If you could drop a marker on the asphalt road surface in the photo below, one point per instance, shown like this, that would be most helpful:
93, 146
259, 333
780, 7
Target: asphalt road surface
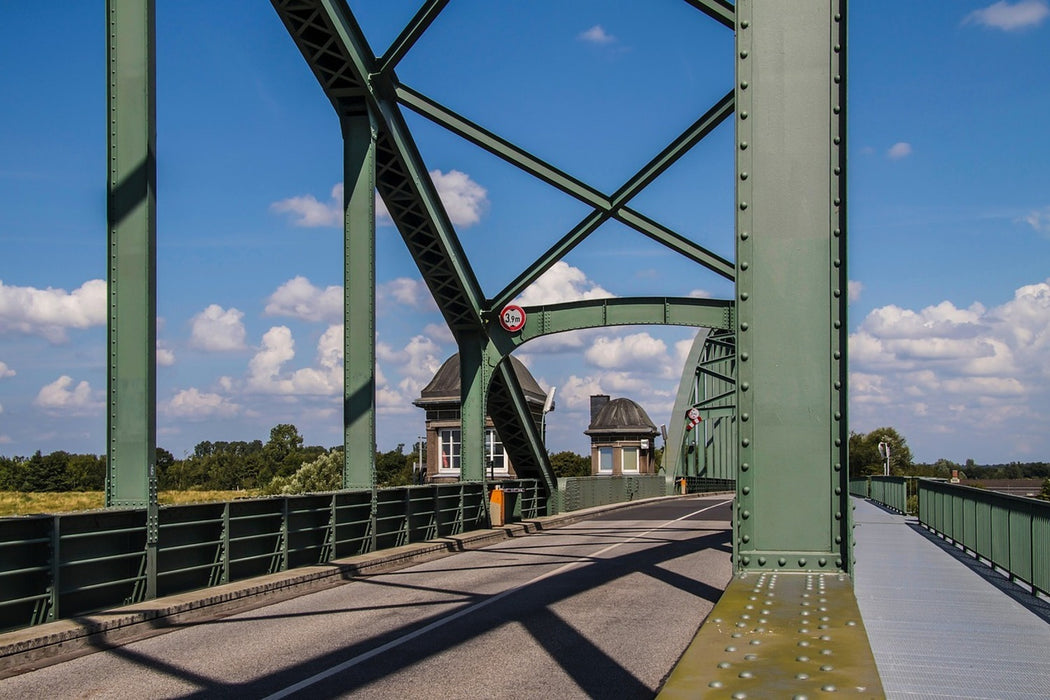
602, 608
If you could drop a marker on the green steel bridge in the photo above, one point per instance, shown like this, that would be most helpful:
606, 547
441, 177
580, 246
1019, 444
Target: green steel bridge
767, 372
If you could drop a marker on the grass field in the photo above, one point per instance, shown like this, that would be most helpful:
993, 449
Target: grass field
20, 503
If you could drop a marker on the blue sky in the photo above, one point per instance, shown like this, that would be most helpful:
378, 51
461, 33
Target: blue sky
949, 215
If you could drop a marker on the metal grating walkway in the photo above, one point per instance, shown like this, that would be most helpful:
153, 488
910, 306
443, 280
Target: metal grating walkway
940, 624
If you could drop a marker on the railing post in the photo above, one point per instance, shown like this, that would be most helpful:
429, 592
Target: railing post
54, 611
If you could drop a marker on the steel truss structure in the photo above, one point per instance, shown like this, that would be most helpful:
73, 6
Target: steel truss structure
786, 419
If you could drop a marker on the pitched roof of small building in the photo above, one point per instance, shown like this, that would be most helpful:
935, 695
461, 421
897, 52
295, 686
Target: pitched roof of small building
444, 386
621, 416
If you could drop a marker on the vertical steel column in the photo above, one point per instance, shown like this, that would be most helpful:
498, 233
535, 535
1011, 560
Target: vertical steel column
792, 490
359, 314
131, 219
475, 375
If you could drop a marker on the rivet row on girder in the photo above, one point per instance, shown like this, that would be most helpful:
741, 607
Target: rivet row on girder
838, 273
744, 256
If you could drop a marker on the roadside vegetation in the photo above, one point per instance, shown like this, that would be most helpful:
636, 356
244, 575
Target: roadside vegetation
62, 482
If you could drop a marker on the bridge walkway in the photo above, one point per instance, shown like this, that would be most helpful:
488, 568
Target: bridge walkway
941, 624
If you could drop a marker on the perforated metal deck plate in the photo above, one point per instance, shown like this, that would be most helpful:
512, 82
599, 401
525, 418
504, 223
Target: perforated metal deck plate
779, 635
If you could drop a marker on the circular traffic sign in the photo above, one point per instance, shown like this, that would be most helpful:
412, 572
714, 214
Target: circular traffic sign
512, 318
693, 413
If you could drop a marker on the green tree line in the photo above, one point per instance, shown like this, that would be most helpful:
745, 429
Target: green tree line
283, 464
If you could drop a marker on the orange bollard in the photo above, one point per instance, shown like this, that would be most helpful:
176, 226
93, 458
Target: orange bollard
497, 515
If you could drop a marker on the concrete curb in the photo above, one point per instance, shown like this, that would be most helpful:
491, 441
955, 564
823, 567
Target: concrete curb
42, 645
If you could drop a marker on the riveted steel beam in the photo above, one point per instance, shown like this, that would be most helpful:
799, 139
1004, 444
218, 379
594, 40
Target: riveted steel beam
517, 430
614, 311
708, 384
791, 287
605, 206
336, 50
718, 10
359, 314
475, 374
132, 232
411, 34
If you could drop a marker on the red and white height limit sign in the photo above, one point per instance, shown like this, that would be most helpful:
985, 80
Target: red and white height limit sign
512, 318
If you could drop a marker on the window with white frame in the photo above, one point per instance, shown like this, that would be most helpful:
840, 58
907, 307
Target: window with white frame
630, 459
605, 460
448, 448
495, 454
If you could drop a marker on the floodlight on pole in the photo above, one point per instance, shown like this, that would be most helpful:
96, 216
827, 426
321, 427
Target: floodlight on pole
548, 406
884, 452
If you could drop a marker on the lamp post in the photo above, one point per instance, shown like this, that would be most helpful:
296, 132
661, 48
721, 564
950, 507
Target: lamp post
548, 406
419, 441
884, 452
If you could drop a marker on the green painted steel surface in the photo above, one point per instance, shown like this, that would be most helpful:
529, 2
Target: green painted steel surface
703, 484
131, 214
60, 566
359, 309
1011, 532
708, 385
336, 50
890, 491
475, 375
575, 493
789, 319
791, 287
859, 487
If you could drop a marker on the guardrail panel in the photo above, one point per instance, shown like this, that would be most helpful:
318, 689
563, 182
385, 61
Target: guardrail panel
190, 547
256, 537
309, 529
1041, 551
1011, 532
1000, 524
353, 523
25, 571
391, 519
422, 513
102, 560
1020, 523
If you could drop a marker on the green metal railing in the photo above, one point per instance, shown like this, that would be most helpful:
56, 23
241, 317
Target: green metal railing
1011, 532
890, 491
859, 487
575, 493
60, 566
704, 484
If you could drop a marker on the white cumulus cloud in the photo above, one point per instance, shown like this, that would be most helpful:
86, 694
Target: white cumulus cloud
192, 404
638, 351
1009, 16
1038, 219
561, 283
576, 391
596, 35
406, 291
464, 200
299, 298
899, 150
6, 371
165, 356
51, 312
309, 212
60, 397
266, 374
956, 370
217, 329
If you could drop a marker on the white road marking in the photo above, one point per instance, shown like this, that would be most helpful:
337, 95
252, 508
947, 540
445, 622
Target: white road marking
360, 658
